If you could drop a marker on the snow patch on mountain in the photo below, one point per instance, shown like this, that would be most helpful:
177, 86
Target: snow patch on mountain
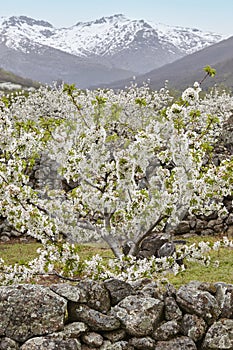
186, 39
103, 37
23, 33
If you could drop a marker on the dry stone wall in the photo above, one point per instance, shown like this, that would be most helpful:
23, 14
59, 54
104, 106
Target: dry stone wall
115, 315
211, 225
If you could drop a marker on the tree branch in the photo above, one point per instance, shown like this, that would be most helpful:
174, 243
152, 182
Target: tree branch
87, 226
135, 247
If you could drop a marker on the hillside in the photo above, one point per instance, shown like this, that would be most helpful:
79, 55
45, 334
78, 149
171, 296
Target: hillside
52, 65
188, 69
9, 80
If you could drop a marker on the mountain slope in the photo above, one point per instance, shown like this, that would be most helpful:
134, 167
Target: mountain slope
10, 81
184, 72
93, 52
115, 41
6, 76
52, 65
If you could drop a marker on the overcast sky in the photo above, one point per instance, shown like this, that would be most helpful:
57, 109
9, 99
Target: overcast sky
209, 15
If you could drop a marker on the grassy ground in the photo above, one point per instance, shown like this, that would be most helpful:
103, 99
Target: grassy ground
195, 271
23, 252
17, 252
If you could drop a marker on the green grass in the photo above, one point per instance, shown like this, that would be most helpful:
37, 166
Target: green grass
88, 250
23, 252
195, 271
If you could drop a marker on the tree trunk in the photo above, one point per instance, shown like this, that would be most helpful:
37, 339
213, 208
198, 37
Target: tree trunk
113, 244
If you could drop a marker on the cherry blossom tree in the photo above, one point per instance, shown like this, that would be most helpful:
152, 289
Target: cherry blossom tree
127, 163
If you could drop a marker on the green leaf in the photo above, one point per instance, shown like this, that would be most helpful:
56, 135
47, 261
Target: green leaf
210, 71
140, 101
69, 88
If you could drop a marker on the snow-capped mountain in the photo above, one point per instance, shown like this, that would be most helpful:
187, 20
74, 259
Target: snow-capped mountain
188, 40
115, 42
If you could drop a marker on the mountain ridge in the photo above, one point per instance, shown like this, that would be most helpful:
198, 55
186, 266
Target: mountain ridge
114, 47
185, 71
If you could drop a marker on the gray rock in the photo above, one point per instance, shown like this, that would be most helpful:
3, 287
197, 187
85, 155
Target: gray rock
144, 287
8, 344
94, 319
229, 231
45, 343
87, 347
15, 233
115, 336
153, 290
207, 232
90, 292
229, 220
219, 221
5, 233
93, 339
193, 326
121, 345
200, 225
199, 302
219, 228
192, 222
205, 286
224, 296
166, 330
211, 223
212, 216
97, 296
219, 336
167, 249
24, 239
4, 238
145, 343
172, 310
139, 316
105, 346
70, 292
118, 290
151, 245
71, 330
30, 310
140, 283
228, 203
180, 343
149, 319
170, 290
183, 227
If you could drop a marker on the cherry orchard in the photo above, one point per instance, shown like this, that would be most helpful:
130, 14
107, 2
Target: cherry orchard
129, 163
